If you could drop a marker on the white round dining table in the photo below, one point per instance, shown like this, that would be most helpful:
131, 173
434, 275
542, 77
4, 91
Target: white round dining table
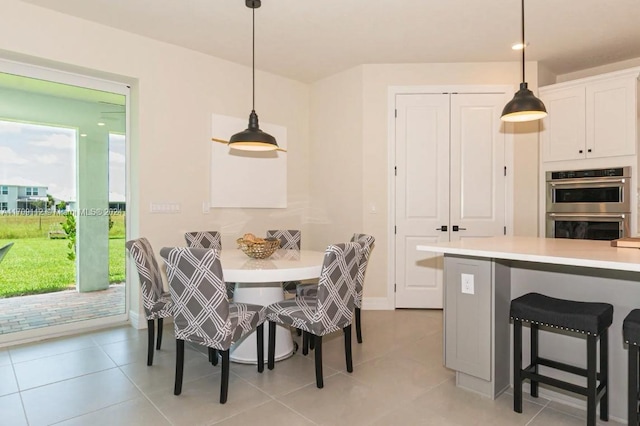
259, 281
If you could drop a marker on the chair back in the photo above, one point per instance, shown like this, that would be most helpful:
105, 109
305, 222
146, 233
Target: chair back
201, 306
290, 239
336, 287
368, 241
148, 271
4, 250
204, 239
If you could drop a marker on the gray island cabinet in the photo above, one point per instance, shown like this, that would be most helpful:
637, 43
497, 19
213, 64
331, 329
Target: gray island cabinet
482, 275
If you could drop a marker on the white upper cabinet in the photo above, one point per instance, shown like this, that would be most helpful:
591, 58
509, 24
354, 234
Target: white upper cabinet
590, 118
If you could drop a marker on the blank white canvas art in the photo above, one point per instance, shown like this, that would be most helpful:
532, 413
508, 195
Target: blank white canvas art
247, 179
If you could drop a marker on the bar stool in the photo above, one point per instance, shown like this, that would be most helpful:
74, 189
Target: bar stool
592, 319
631, 334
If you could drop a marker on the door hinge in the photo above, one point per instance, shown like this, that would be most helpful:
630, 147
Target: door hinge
395, 170
394, 287
395, 112
505, 170
395, 229
505, 230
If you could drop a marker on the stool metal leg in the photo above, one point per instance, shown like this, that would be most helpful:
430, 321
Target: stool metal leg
534, 357
592, 384
517, 366
632, 397
604, 374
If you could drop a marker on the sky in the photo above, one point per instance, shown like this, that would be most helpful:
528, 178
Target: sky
34, 155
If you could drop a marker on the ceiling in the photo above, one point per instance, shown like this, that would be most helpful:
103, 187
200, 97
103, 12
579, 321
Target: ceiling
307, 41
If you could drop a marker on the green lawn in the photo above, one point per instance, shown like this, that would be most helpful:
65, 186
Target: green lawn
36, 264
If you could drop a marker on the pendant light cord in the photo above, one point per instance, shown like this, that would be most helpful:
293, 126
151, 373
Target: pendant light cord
253, 58
524, 46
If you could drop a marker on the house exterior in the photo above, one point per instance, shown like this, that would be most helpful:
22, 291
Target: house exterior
16, 198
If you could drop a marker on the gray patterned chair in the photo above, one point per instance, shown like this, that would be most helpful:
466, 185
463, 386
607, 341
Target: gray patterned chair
208, 240
202, 312
156, 302
331, 310
4, 250
290, 239
311, 290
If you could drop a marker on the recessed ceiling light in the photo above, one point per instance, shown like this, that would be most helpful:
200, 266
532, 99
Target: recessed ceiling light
100, 123
519, 46
83, 135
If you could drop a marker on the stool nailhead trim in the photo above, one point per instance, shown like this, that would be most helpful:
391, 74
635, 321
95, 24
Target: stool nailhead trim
555, 326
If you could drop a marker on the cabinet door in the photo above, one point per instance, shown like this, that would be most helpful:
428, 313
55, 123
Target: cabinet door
611, 117
563, 130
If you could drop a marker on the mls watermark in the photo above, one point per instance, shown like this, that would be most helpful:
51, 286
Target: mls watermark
78, 212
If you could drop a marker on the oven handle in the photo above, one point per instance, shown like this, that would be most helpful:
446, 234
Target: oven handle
583, 182
617, 216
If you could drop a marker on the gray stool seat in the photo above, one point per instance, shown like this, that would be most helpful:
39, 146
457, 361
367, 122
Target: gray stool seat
631, 335
631, 328
580, 317
589, 318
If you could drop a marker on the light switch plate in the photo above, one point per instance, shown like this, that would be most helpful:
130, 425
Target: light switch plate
467, 285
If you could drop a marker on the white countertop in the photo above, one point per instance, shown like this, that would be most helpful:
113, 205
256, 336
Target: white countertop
559, 251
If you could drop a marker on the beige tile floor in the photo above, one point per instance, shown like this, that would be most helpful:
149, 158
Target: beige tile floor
101, 378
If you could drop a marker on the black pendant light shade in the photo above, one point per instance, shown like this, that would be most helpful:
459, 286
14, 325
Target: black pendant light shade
252, 138
524, 106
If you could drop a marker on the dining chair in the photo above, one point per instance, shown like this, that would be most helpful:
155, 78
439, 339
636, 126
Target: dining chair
4, 250
331, 310
311, 289
202, 312
208, 240
156, 302
290, 239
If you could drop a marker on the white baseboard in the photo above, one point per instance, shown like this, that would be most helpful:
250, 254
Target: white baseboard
136, 320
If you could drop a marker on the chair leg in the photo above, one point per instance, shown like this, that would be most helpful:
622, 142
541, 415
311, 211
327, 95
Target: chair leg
534, 357
271, 350
177, 389
305, 343
224, 378
318, 358
632, 385
260, 343
592, 385
358, 327
604, 374
312, 342
517, 366
298, 332
213, 356
347, 348
159, 339
151, 338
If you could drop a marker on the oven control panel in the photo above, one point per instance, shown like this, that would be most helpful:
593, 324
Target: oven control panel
579, 174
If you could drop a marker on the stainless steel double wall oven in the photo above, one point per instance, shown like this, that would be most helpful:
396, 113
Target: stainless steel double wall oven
589, 204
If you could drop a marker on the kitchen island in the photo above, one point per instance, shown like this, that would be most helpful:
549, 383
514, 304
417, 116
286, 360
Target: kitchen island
481, 276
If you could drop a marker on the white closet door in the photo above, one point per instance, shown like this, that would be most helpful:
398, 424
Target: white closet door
477, 166
422, 196
450, 173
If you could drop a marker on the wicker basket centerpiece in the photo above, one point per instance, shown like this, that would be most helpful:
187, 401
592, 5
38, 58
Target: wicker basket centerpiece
256, 247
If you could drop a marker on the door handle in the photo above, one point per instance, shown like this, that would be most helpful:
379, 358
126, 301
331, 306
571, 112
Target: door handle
456, 228
443, 228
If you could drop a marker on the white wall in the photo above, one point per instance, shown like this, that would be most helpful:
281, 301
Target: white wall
174, 93
335, 106
589, 72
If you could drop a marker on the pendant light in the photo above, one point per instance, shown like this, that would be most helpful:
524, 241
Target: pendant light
524, 106
252, 138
